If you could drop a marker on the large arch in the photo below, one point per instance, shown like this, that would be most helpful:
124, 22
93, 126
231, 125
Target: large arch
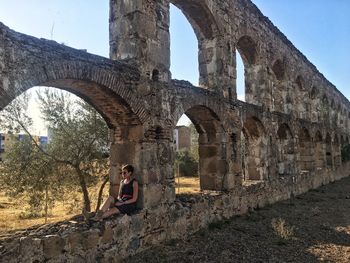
107, 89
214, 58
286, 152
254, 150
213, 166
306, 161
247, 48
278, 86
329, 153
319, 151
302, 98
315, 104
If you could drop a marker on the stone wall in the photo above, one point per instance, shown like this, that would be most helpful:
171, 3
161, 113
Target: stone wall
117, 238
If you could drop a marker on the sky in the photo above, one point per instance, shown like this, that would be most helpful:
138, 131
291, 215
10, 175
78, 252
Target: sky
320, 29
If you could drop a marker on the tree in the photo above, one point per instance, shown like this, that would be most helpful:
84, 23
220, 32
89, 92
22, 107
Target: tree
78, 144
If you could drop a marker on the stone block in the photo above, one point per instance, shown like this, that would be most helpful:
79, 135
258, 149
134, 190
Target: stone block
90, 239
53, 246
31, 249
152, 195
107, 235
74, 241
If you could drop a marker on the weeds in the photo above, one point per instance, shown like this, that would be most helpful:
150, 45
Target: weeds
281, 228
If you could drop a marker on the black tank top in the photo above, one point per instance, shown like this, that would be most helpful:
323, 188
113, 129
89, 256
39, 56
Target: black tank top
127, 190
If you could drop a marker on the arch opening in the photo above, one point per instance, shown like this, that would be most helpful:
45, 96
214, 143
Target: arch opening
246, 70
206, 30
319, 151
329, 157
285, 149
279, 90
212, 165
183, 41
68, 161
187, 157
306, 162
240, 78
303, 105
254, 150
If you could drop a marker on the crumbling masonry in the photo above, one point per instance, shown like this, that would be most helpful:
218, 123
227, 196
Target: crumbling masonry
286, 137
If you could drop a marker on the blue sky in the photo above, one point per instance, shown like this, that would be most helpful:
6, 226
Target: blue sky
320, 29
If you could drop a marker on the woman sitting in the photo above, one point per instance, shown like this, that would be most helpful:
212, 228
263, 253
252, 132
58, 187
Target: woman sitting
125, 203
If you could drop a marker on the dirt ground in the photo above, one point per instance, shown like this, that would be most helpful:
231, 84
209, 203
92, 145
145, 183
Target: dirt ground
314, 227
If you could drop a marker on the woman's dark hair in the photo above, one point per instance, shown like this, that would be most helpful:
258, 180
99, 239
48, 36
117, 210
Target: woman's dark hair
128, 167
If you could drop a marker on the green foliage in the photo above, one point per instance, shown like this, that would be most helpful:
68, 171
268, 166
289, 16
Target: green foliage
75, 154
345, 153
186, 163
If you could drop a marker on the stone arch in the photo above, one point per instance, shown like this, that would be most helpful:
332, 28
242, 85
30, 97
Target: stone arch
211, 147
329, 157
286, 153
319, 151
104, 90
306, 161
314, 92
214, 54
332, 104
336, 152
107, 91
247, 48
325, 109
254, 150
278, 69
200, 17
299, 81
301, 94
278, 86
315, 104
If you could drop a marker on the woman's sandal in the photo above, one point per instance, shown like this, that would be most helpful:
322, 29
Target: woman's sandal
98, 216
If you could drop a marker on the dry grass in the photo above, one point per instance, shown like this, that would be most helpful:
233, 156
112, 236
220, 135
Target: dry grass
187, 185
11, 209
281, 228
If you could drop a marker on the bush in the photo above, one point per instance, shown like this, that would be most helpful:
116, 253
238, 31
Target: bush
186, 164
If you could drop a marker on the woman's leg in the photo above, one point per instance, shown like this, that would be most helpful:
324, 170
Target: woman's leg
111, 211
110, 200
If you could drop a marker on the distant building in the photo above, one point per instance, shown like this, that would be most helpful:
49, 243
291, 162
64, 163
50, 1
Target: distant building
7, 139
182, 137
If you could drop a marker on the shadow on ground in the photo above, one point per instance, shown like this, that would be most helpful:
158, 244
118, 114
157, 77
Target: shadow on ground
312, 227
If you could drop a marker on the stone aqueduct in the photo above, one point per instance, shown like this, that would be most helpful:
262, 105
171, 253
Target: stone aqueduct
287, 136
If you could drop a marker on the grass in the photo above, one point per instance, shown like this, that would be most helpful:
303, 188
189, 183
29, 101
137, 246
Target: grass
187, 185
14, 214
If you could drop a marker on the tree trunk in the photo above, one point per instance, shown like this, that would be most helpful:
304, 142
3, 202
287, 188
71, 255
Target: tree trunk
87, 203
100, 192
46, 202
